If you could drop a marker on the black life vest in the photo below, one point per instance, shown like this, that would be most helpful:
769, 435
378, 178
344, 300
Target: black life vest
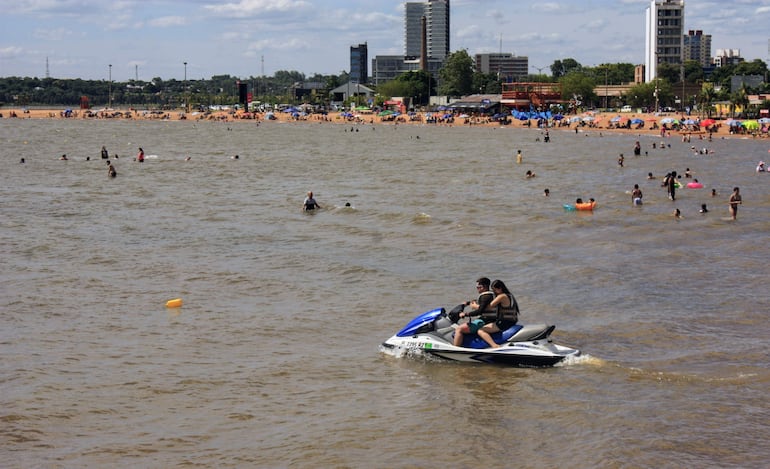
503, 313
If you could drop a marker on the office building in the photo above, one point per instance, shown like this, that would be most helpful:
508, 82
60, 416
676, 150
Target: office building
664, 35
389, 67
507, 66
359, 64
727, 57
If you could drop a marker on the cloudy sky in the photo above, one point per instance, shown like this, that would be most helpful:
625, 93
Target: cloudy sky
81, 38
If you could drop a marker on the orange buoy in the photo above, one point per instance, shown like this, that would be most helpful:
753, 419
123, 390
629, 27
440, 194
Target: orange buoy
175, 303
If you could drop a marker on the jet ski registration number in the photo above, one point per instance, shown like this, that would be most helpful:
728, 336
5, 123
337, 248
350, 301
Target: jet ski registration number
419, 345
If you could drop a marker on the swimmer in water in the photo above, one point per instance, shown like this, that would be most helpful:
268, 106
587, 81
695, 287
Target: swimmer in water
310, 202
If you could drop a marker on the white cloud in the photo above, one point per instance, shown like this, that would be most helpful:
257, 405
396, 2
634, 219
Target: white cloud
248, 8
547, 7
167, 21
10, 51
58, 34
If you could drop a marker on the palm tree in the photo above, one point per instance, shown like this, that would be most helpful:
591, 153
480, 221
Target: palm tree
739, 98
707, 97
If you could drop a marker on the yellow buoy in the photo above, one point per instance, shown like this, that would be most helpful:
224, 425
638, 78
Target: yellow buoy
175, 303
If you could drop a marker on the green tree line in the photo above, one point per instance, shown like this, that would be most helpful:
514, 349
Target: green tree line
457, 78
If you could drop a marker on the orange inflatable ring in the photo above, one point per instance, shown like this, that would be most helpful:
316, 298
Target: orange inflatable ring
585, 205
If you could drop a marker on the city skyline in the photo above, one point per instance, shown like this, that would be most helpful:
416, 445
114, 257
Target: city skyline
92, 40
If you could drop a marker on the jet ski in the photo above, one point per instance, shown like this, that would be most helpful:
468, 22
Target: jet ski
432, 333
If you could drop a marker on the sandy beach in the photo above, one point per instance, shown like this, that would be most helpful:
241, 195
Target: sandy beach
642, 123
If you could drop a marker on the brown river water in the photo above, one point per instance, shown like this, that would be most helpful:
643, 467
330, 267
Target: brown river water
274, 359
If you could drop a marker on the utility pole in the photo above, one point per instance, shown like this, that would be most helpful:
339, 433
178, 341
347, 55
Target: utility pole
184, 87
656, 82
606, 86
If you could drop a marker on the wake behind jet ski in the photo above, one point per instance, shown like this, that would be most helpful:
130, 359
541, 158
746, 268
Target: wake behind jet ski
433, 332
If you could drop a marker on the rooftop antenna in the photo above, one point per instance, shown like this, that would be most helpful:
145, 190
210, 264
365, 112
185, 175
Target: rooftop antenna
47, 71
136, 72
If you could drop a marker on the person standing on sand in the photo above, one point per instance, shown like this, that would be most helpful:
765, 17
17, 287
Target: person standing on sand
735, 200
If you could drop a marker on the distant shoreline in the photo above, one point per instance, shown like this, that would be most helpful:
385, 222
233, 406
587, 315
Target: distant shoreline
600, 121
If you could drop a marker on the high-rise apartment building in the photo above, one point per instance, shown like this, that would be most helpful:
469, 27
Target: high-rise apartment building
436, 13
359, 64
697, 46
664, 35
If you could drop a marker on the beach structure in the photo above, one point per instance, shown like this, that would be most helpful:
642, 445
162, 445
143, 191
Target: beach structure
526, 96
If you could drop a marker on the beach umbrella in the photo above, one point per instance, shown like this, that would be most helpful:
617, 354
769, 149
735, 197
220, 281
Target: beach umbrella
669, 120
588, 119
689, 122
734, 123
750, 125
387, 112
558, 117
764, 120
574, 119
637, 121
707, 122
616, 119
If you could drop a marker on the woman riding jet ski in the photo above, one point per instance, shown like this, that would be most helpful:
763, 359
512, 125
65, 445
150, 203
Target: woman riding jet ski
433, 332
